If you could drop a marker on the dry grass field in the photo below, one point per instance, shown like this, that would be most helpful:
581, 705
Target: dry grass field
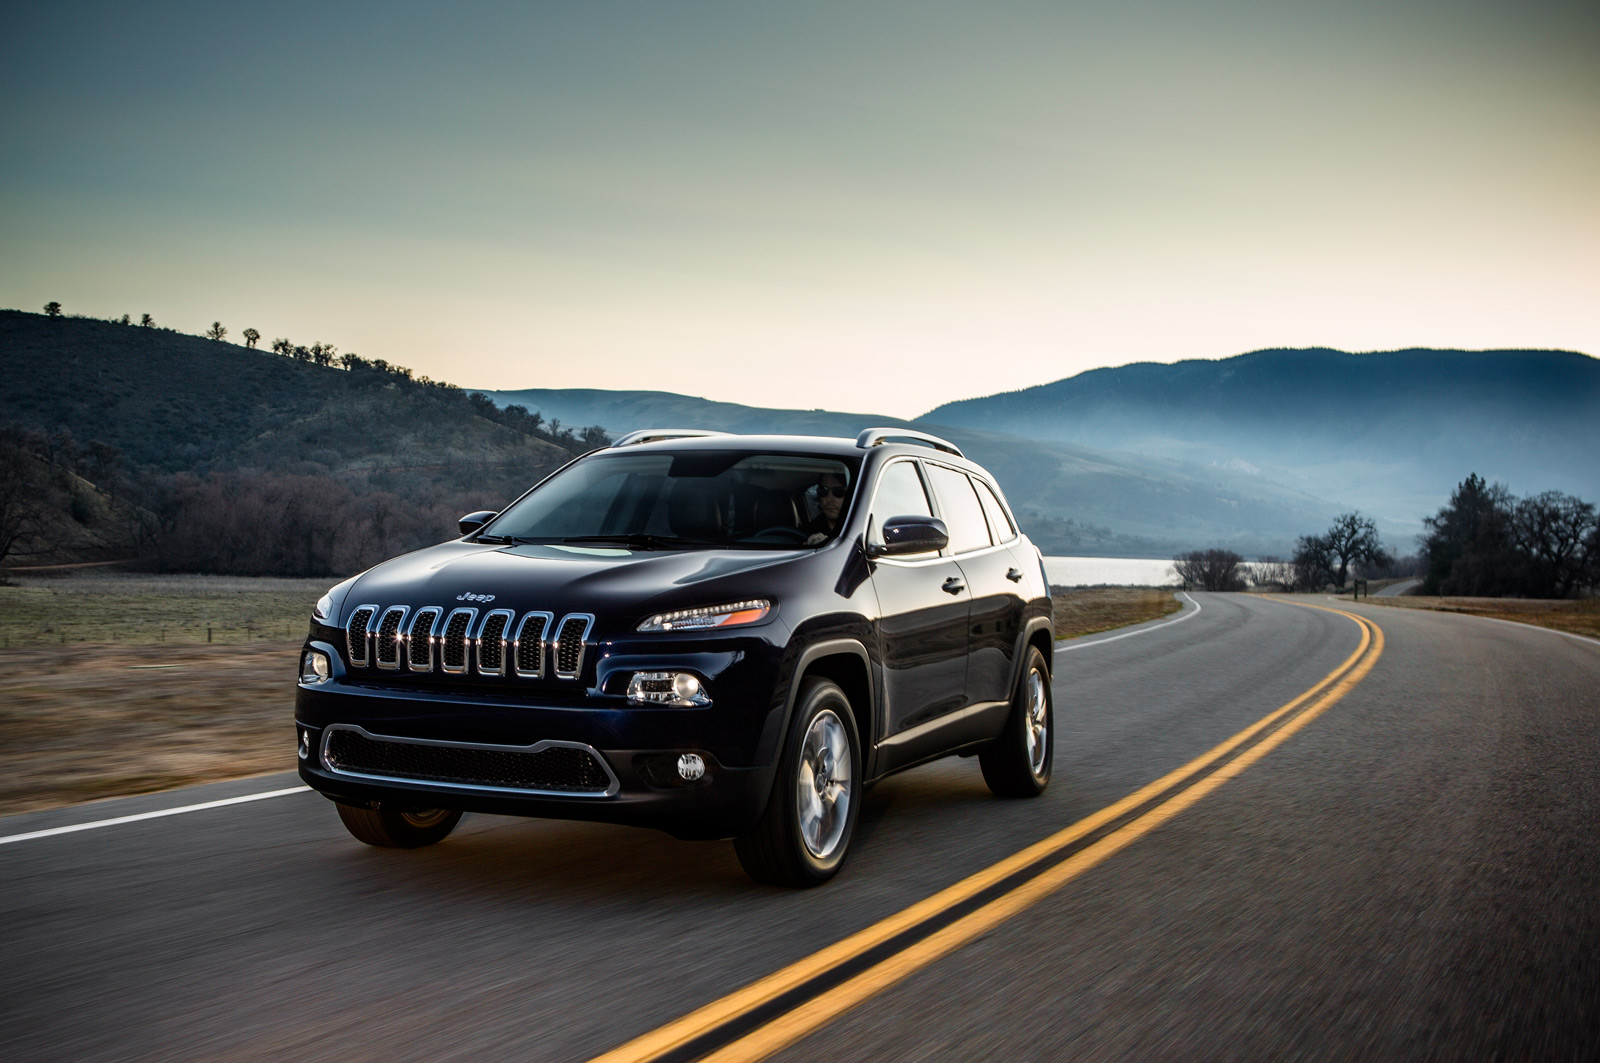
1085, 612
109, 688
1579, 616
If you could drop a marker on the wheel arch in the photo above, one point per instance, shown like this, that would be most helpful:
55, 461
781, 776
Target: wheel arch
845, 662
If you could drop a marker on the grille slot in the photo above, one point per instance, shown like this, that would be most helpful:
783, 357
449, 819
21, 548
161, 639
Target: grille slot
356, 634
419, 643
386, 642
570, 639
528, 647
492, 642
453, 643
546, 767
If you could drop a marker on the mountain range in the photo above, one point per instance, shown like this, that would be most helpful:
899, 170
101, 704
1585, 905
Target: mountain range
1391, 433
1247, 452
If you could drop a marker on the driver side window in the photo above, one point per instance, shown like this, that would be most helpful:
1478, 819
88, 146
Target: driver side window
900, 494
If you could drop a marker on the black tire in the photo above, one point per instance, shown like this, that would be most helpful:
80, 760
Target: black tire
1012, 764
777, 851
395, 828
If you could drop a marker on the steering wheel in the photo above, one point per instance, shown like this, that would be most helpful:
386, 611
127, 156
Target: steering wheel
780, 532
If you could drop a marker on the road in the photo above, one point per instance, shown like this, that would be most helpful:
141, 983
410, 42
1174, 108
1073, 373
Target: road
1411, 871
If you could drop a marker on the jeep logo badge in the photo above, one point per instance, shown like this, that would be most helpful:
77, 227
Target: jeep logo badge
470, 597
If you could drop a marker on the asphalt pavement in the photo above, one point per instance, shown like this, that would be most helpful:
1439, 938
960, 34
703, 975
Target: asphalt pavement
1412, 874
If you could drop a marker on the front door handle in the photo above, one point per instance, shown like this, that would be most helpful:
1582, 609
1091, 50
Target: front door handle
1014, 575
954, 586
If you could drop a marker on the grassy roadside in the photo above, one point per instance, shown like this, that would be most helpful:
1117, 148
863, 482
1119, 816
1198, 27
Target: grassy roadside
1096, 609
142, 610
84, 717
102, 720
1580, 616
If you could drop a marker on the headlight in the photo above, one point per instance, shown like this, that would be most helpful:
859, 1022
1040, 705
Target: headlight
324, 610
679, 690
730, 615
314, 668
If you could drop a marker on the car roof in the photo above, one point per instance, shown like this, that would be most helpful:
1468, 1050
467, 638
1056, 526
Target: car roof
830, 446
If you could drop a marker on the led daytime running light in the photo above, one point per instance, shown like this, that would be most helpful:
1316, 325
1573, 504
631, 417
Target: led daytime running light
709, 616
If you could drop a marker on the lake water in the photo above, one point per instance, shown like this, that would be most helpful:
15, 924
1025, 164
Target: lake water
1116, 572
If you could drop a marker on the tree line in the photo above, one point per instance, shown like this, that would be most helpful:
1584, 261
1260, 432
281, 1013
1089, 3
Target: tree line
1488, 542
1484, 542
62, 501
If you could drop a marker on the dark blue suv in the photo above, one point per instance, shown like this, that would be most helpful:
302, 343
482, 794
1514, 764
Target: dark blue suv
717, 635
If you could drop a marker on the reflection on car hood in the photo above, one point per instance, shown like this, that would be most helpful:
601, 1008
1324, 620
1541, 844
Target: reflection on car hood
599, 579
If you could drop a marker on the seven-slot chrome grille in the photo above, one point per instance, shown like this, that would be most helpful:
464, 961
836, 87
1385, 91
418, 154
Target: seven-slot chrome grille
459, 642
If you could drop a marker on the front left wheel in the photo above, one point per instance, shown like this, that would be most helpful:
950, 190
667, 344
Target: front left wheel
803, 836
393, 828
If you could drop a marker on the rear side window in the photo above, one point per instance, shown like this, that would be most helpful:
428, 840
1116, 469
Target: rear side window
960, 508
997, 513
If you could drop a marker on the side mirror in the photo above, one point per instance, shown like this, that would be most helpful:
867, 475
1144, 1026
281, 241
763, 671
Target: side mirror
473, 521
911, 535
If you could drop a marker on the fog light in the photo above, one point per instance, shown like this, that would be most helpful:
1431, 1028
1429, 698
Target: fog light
678, 689
305, 744
691, 767
314, 667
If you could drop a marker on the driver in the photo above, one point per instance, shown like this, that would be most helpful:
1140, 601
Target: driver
831, 492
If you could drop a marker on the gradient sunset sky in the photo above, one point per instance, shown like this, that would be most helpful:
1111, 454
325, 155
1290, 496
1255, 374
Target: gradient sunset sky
878, 206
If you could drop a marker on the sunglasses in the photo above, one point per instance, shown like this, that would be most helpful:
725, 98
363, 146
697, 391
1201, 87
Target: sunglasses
836, 492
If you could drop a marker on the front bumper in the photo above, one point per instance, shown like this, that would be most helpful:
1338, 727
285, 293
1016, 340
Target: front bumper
638, 747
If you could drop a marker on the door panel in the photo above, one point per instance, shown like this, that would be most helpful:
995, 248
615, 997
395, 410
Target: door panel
995, 623
923, 630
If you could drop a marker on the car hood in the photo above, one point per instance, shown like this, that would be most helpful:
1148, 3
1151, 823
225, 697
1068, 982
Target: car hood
605, 581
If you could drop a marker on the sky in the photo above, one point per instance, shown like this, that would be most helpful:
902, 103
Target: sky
871, 207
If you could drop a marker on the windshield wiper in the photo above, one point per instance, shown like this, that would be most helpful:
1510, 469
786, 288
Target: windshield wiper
643, 540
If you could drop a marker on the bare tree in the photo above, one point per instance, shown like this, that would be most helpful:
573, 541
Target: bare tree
1274, 570
1210, 570
216, 331
24, 495
1353, 538
146, 321
1553, 532
52, 308
251, 337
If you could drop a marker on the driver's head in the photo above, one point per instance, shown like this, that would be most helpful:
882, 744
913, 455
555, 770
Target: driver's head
831, 490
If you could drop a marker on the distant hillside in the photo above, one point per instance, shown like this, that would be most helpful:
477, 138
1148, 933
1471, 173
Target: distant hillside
1073, 499
173, 402
1390, 432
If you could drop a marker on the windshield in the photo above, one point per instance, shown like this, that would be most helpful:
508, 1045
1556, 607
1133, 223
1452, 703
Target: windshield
698, 498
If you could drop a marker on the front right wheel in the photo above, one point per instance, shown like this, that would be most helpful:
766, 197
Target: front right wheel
1017, 764
394, 828
802, 837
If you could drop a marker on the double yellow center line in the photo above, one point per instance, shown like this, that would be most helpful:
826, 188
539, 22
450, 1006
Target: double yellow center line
780, 1009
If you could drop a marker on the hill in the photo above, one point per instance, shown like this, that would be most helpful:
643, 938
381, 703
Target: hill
188, 454
1071, 499
1391, 432
173, 402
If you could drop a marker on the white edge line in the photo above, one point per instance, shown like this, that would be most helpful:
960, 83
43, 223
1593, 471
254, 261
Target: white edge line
1142, 631
150, 815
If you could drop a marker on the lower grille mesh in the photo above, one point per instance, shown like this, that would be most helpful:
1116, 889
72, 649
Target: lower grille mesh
562, 769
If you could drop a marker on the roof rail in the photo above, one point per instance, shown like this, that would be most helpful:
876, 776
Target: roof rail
875, 437
652, 435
